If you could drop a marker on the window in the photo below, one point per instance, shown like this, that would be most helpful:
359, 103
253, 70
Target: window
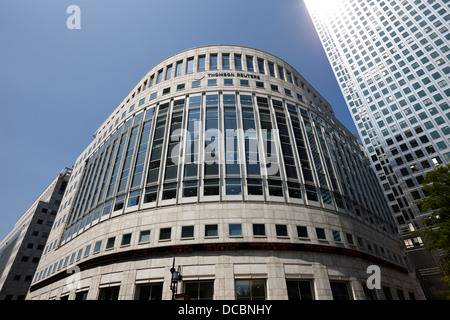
168, 72
201, 63
225, 61
244, 82
179, 69
199, 290
337, 236
250, 290
97, 246
261, 66
211, 230
281, 230
212, 82
149, 292
187, 232
299, 290
233, 186
302, 232
190, 66
249, 61
110, 243
320, 234
235, 229
237, 62
134, 198
339, 290
110, 293
259, 229
164, 234
82, 295
126, 239
213, 62
144, 236
196, 84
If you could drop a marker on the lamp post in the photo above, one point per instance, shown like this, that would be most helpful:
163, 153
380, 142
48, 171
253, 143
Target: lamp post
176, 276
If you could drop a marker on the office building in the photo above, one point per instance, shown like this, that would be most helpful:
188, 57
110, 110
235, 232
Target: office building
22, 248
227, 160
391, 60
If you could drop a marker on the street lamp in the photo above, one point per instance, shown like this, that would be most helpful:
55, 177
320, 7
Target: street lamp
176, 276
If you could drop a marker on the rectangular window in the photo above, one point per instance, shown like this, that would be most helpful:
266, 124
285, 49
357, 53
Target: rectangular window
212, 82
164, 233
211, 230
244, 82
340, 290
179, 69
249, 61
187, 232
110, 293
302, 232
225, 61
336, 235
97, 246
259, 229
320, 234
271, 69
144, 236
169, 72
250, 289
110, 242
149, 292
190, 66
159, 76
299, 290
196, 84
281, 230
281, 73
86, 252
201, 63
126, 239
237, 62
134, 198
261, 69
199, 290
233, 186
213, 62
235, 229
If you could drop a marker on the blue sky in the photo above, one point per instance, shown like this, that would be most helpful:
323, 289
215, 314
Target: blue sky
58, 85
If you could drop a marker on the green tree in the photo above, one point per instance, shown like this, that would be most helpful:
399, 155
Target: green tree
436, 227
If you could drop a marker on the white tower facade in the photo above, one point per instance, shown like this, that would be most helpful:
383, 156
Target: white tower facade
391, 60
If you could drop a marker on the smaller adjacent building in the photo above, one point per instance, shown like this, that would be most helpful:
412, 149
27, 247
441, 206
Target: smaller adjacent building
22, 248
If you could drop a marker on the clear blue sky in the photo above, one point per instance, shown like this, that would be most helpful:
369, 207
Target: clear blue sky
58, 85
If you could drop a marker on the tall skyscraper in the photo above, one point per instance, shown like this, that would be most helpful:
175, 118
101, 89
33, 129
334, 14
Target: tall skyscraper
391, 60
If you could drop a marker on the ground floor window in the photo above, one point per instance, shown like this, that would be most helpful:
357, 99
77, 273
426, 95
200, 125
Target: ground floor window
149, 292
110, 293
251, 289
340, 290
82, 295
299, 290
199, 290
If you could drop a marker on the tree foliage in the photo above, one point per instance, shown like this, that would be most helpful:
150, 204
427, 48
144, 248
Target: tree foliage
436, 227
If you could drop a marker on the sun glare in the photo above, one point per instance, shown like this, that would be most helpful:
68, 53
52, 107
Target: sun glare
322, 7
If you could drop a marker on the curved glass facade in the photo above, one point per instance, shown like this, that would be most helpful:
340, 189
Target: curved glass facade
221, 144
227, 143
